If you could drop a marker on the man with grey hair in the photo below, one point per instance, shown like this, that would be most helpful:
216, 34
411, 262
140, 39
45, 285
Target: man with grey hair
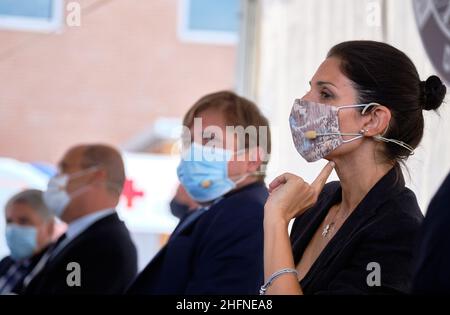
29, 230
96, 254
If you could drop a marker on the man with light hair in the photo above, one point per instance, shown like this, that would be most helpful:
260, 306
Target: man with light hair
30, 227
216, 249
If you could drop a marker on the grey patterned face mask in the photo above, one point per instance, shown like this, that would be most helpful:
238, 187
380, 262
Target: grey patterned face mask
315, 129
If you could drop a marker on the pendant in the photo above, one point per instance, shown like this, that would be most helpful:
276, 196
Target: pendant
326, 229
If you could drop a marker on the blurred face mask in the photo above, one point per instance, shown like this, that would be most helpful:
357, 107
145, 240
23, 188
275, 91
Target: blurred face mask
21, 240
56, 197
203, 172
315, 129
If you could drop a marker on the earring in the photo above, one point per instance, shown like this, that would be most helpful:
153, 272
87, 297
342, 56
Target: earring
363, 131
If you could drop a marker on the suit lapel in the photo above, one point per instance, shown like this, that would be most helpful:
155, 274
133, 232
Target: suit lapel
79, 238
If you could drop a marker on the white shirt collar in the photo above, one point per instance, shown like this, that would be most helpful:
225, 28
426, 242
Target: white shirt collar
77, 227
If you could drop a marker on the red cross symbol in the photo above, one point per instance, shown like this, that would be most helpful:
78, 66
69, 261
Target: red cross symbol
130, 193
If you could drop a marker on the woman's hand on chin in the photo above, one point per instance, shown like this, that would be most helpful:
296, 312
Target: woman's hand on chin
290, 195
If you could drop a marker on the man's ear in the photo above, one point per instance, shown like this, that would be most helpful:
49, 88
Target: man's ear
99, 176
377, 121
255, 159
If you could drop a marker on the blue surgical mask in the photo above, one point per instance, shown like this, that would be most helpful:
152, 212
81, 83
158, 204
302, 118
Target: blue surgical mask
21, 240
203, 172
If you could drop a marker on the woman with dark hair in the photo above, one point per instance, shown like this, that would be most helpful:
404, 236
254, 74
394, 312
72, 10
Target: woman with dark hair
363, 113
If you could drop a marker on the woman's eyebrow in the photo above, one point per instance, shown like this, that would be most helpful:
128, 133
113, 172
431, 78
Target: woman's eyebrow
320, 83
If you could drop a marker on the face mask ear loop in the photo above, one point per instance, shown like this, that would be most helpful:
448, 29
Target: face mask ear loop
83, 172
353, 139
364, 111
387, 140
361, 134
79, 191
243, 177
397, 142
82, 189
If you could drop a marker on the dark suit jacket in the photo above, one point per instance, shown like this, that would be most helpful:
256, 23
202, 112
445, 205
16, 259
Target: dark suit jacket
7, 262
107, 259
381, 229
433, 257
219, 253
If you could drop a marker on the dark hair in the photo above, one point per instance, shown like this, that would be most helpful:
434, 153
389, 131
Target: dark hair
385, 75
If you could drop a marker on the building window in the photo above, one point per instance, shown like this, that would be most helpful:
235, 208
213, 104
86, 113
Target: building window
209, 21
35, 15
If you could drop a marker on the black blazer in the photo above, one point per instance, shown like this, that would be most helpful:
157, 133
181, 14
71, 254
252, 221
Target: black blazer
7, 262
433, 257
219, 253
107, 259
381, 229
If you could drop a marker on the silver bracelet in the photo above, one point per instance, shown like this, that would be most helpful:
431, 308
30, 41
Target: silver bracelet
272, 278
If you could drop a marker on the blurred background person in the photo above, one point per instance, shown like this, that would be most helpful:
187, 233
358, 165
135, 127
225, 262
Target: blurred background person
84, 194
182, 204
30, 228
217, 249
136, 97
432, 275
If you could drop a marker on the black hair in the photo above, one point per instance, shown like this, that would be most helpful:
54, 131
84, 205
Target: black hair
383, 74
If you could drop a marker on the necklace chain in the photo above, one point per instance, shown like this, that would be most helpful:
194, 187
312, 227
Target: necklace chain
330, 226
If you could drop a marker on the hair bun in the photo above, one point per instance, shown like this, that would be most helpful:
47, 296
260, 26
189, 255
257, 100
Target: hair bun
433, 93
